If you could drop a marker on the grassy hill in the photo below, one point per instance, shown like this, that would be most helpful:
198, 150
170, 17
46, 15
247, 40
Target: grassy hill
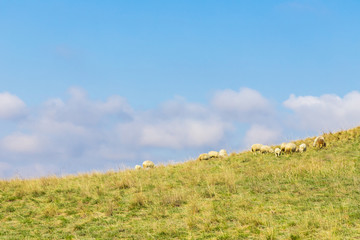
313, 195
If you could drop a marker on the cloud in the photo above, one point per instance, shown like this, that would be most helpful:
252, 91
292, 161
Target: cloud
21, 143
176, 124
261, 134
79, 127
245, 105
79, 110
65, 136
325, 113
11, 107
177, 133
80, 134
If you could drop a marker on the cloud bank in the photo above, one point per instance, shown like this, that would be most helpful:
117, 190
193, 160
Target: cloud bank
327, 112
11, 107
77, 134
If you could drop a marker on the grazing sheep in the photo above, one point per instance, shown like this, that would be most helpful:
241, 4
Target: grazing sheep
203, 156
282, 147
290, 148
137, 167
266, 149
223, 153
302, 147
256, 147
213, 154
277, 152
319, 142
148, 164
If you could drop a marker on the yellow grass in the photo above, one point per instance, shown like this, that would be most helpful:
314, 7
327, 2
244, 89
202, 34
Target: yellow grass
311, 195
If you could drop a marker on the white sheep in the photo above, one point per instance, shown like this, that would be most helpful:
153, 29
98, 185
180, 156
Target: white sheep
213, 154
266, 149
282, 146
277, 152
148, 164
302, 147
203, 156
137, 167
319, 142
256, 147
290, 148
223, 153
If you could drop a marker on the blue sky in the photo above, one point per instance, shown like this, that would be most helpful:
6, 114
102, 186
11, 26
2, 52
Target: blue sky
89, 85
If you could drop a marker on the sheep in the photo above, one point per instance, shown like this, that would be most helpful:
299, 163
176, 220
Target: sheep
148, 164
266, 149
137, 167
319, 142
203, 156
282, 146
213, 154
223, 153
302, 147
277, 152
256, 147
290, 148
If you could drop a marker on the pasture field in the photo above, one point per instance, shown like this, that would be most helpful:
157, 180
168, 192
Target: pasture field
312, 195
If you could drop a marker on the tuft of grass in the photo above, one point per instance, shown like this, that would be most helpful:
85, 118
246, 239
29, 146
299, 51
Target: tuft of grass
137, 201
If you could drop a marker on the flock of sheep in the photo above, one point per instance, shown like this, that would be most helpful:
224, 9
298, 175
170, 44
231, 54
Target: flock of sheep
212, 154
284, 147
287, 147
146, 164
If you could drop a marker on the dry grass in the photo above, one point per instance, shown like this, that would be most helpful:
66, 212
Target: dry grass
313, 195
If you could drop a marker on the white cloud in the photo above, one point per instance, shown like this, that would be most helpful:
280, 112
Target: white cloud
176, 124
80, 110
325, 113
21, 143
262, 134
179, 107
80, 134
245, 105
11, 106
176, 133
70, 130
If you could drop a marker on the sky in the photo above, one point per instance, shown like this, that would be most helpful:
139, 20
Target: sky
99, 85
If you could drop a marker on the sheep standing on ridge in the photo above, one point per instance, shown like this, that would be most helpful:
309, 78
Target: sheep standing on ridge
137, 167
256, 147
148, 164
319, 142
282, 147
213, 154
290, 148
266, 149
277, 152
223, 153
302, 147
203, 156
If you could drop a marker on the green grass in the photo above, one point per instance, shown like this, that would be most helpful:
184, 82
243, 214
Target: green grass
313, 195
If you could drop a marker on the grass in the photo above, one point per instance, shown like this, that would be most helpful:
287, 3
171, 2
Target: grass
313, 195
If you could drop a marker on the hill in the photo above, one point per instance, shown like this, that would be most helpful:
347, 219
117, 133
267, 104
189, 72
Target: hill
312, 195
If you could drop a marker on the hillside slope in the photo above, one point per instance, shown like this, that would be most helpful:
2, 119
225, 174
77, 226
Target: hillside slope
313, 195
